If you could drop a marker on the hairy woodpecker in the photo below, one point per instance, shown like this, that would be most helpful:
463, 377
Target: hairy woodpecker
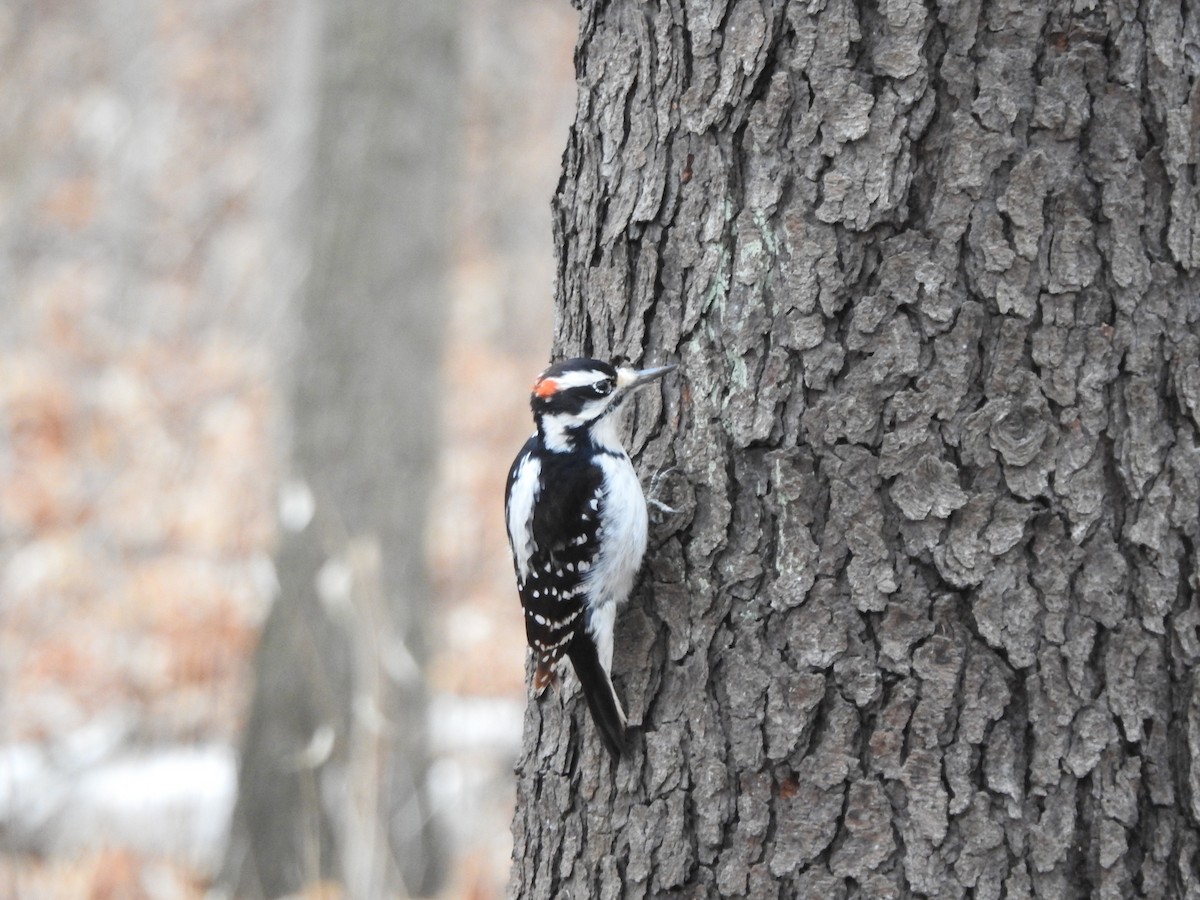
577, 527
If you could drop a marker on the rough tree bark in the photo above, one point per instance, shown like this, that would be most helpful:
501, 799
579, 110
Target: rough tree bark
927, 621
332, 773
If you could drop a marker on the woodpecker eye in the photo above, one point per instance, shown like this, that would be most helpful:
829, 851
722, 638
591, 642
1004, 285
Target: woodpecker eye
603, 387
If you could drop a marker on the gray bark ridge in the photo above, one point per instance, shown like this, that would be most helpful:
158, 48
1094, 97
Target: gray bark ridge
332, 780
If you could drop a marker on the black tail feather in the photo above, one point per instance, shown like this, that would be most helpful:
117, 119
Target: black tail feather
600, 695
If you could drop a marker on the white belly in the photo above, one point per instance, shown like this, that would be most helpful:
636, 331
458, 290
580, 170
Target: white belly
623, 537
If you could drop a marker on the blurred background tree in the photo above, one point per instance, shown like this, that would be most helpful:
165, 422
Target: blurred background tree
332, 777
176, 197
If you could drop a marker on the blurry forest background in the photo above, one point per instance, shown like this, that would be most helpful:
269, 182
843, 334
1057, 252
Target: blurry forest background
148, 152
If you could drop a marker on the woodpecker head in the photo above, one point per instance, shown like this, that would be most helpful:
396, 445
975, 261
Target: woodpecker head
577, 398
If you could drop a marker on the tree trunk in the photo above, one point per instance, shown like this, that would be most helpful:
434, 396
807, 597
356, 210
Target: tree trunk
332, 777
926, 622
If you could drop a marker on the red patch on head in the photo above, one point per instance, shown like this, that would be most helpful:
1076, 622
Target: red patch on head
546, 387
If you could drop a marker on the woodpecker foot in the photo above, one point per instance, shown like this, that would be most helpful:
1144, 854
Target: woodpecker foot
656, 481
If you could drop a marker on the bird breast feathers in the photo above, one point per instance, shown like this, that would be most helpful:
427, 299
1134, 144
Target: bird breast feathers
623, 535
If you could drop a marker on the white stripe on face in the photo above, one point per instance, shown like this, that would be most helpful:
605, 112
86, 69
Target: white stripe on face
577, 379
556, 428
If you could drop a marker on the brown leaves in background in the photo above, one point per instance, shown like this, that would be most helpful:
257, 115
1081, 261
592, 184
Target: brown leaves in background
132, 492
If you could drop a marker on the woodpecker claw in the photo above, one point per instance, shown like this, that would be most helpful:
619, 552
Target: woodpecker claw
656, 481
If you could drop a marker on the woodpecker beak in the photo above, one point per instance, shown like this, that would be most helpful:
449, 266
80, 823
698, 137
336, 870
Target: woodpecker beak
632, 379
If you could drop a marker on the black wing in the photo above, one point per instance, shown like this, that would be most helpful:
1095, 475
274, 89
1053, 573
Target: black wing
565, 529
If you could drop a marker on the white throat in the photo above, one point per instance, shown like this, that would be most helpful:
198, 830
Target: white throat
556, 432
605, 434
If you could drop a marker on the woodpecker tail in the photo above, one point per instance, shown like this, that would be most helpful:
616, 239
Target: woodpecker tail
600, 695
543, 677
